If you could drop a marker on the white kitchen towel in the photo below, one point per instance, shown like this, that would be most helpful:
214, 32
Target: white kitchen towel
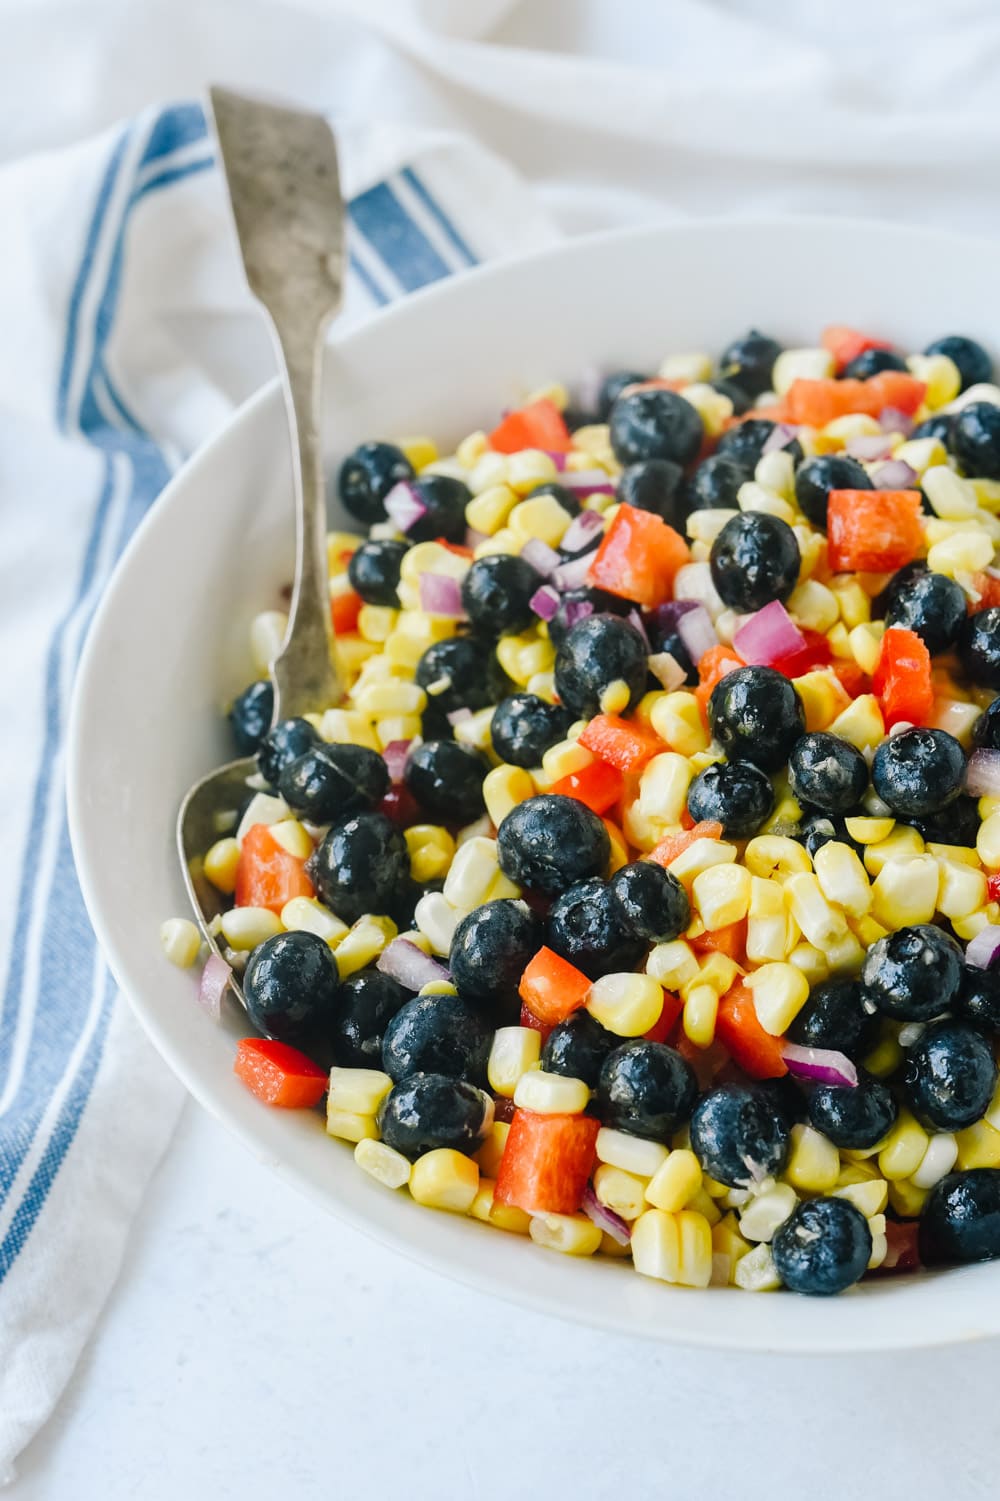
128, 337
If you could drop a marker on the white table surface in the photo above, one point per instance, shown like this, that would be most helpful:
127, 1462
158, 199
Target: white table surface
254, 1348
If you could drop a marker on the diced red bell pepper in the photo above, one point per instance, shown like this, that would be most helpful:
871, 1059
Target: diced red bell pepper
598, 785
673, 1006
675, 844
815, 652
708, 1063
553, 988
845, 344
344, 611
993, 888
903, 1254
737, 1028
278, 1074
895, 389
988, 589
716, 664
538, 425
458, 548
817, 402
546, 1162
638, 557
873, 530
529, 1019
623, 745
902, 681
730, 940
267, 875
852, 678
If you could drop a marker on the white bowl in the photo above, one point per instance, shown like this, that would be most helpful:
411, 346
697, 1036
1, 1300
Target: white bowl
169, 645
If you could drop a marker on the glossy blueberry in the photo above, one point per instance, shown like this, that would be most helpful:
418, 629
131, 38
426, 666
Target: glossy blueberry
872, 362
738, 1136
578, 1047
284, 744
366, 1003
550, 842
834, 1017
366, 477
655, 424
250, 717
786, 1097
489, 952
290, 986
646, 1089
745, 443
524, 727
329, 781
464, 661
655, 904
950, 1076
437, 1034
939, 426
823, 1247
613, 386
736, 794
755, 559
817, 477
975, 439
986, 730
374, 572
958, 823
577, 604
912, 974
853, 1118
960, 1221
749, 362
919, 771
974, 364
596, 652
446, 779
978, 998
567, 498
665, 637
430, 1111
715, 484
756, 715
587, 926
656, 485
446, 499
979, 647
740, 398
827, 772
360, 866
496, 593
932, 605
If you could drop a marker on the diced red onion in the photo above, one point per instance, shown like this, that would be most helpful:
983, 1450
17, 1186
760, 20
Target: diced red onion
440, 594
892, 420
212, 986
894, 474
558, 458
823, 1065
473, 538
577, 610
604, 1218
573, 573
696, 630
768, 635
869, 446
458, 716
780, 438
588, 481
394, 756
983, 949
665, 617
404, 506
545, 602
667, 670
982, 775
634, 618
694, 581
403, 961
543, 558
582, 530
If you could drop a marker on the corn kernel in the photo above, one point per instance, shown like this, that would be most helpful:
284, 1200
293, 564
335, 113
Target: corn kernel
529, 468
437, 919
800, 364
304, 914
550, 1094
900, 844
267, 636
363, 943
961, 890
776, 471
938, 1160
245, 927
978, 1146
780, 990
445, 1179
903, 1149
767, 1212
676, 718
675, 1182
810, 962
717, 971
572, 1234
813, 1164
686, 367
491, 1152
853, 603
700, 856
988, 841
861, 723
626, 1004
721, 894
869, 1196
673, 964
952, 498
292, 837
756, 1272
842, 879
633, 1154
220, 864
475, 731
382, 1162
620, 1191
869, 830
501, 1216
503, 788
967, 551
727, 1242
713, 407
663, 787
814, 605
885, 1057
940, 375
673, 1248
773, 855
820, 923
905, 891
514, 1051
488, 511
262, 808
180, 941
431, 850
350, 1125
905, 1199
358, 1090
541, 517
474, 869
701, 1008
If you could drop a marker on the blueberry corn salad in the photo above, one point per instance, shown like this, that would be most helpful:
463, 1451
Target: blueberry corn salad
643, 896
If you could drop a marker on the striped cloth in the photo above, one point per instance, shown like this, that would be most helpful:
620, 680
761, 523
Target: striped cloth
134, 337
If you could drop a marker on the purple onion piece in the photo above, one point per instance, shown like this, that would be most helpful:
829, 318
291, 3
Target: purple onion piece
543, 558
545, 602
697, 632
982, 775
414, 969
605, 1219
983, 949
768, 635
404, 506
894, 474
822, 1065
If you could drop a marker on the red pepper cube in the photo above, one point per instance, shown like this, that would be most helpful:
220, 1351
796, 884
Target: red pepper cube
737, 1028
599, 786
625, 746
716, 664
673, 845
895, 389
344, 611
546, 1162
267, 875
845, 344
638, 557
873, 531
661, 1029
278, 1074
538, 425
552, 988
902, 681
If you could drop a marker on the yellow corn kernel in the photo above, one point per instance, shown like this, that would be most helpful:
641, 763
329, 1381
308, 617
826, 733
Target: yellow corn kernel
988, 841
382, 1162
686, 367
727, 1240
846, 955
922, 453
390, 727
938, 1160
721, 894
952, 497
358, 1090
854, 425
903, 1149
700, 856
902, 843
572, 1234
290, 834
267, 634
408, 642
393, 696
673, 1247
673, 964
771, 935
813, 1164
663, 788
501, 1216
472, 875
869, 1195
422, 451
488, 511
717, 971
842, 879
813, 605
350, 1125
776, 471
220, 865
767, 898
823, 697
529, 468
967, 551
861, 723
676, 718
702, 1203
701, 1008
978, 1146
852, 602
906, 1199
377, 622
866, 930
961, 890
475, 731
839, 642
353, 652
869, 830
503, 788
941, 376
262, 808
614, 698
753, 497
565, 757
180, 941
810, 962
363, 943
514, 1051
339, 548
885, 1057
431, 850
786, 811
620, 1191
905, 891
503, 541
626, 1004
774, 855
766, 1212
675, 1182
244, 927
346, 727
958, 854
713, 407
866, 647
487, 470
705, 526
550, 1094
445, 1179
633, 1154
756, 1272
541, 517
491, 1151
800, 364
304, 914
780, 990
821, 924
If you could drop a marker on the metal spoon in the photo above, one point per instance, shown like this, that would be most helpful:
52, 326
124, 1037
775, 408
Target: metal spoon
280, 167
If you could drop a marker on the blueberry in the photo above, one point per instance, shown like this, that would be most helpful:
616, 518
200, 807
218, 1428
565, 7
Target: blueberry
817, 477
366, 477
496, 593
290, 986
745, 443
587, 926
445, 499
940, 426
654, 903
755, 559
360, 866
524, 727
646, 1089
566, 497
978, 998
853, 1118
578, 1047
464, 662
912, 974
950, 1076
736, 794
251, 715
284, 744
932, 605
655, 424
919, 771
430, 1111
436, 1034
489, 952
974, 365
827, 772
374, 572
975, 439
756, 715
548, 843
715, 484
833, 1017
738, 1136
330, 781
986, 730
613, 386
749, 362
785, 1096
958, 823
655, 485
823, 1247
740, 398
366, 1003
872, 362
447, 780
596, 652
960, 1221
979, 646
577, 604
